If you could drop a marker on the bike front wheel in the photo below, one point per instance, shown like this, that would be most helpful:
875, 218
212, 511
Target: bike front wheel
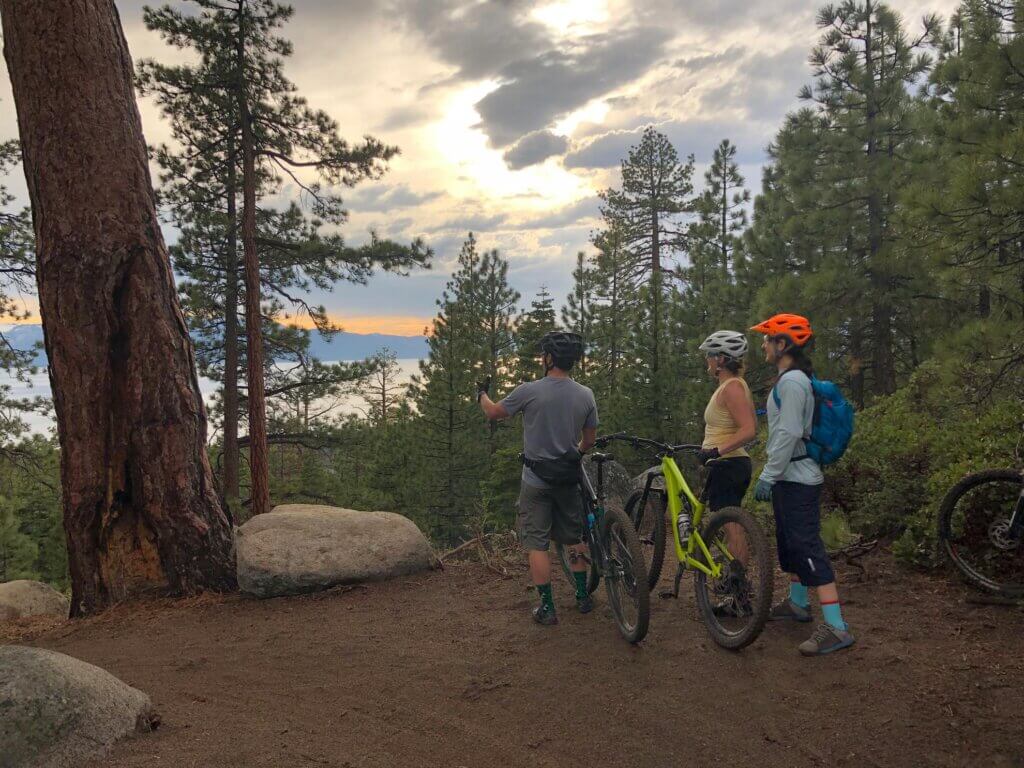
625, 575
734, 605
974, 528
649, 521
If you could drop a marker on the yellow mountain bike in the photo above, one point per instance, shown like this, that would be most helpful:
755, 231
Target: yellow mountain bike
727, 549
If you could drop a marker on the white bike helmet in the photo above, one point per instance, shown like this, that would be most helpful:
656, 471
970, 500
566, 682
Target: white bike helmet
729, 343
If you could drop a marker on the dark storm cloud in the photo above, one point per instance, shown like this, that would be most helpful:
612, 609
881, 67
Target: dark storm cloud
699, 137
543, 88
382, 197
479, 38
535, 148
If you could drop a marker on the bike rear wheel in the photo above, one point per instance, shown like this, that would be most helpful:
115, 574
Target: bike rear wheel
649, 521
974, 519
625, 577
735, 606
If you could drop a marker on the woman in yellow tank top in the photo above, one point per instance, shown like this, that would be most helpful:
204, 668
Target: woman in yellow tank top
729, 424
729, 421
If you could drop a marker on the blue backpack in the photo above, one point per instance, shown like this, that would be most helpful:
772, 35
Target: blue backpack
832, 426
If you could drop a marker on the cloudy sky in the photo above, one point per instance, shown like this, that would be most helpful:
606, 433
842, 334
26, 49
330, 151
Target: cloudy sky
512, 114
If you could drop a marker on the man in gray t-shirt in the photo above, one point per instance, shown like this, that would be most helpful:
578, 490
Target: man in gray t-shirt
559, 422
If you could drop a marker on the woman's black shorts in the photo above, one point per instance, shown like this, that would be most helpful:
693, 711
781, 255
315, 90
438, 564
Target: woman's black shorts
728, 480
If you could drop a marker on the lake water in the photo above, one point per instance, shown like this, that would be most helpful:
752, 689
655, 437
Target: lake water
39, 386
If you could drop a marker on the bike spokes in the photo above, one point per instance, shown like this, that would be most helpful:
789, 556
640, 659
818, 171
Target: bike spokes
625, 575
979, 536
649, 520
735, 598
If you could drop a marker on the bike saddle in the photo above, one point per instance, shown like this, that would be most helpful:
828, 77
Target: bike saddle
601, 458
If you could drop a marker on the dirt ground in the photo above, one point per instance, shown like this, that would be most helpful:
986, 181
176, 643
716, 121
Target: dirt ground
446, 669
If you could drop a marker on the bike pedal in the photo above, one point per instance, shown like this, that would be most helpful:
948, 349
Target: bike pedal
668, 594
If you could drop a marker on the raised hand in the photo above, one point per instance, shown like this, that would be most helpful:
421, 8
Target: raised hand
482, 388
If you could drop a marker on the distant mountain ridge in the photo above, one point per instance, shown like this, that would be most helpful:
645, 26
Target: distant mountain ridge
342, 346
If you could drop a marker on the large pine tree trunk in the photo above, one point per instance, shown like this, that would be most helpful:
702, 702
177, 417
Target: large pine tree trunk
140, 509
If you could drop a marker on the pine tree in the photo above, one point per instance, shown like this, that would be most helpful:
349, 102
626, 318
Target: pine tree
383, 389
578, 311
451, 459
864, 66
614, 308
648, 211
471, 339
533, 324
243, 131
965, 204
17, 277
722, 205
709, 276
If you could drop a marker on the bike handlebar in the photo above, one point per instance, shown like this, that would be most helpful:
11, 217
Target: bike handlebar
636, 442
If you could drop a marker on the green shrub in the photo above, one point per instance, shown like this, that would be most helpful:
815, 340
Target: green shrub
911, 447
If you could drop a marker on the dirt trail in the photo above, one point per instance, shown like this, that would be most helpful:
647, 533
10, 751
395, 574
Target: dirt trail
447, 670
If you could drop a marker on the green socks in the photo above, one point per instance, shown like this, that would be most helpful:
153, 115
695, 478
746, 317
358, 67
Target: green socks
544, 590
581, 584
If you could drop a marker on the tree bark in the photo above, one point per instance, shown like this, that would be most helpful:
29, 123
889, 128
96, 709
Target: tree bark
231, 450
140, 509
258, 467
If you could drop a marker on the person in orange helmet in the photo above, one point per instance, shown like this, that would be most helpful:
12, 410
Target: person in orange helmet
792, 481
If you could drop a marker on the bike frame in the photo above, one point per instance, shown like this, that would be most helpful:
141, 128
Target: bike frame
593, 508
676, 488
1016, 528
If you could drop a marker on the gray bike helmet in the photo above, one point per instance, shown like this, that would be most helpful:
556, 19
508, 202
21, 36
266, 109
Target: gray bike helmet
729, 343
562, 345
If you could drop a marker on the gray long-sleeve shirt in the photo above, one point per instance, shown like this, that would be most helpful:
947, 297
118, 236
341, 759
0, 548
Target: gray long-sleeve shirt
788, 424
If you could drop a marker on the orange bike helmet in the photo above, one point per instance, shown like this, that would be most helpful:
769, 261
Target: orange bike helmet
794, 327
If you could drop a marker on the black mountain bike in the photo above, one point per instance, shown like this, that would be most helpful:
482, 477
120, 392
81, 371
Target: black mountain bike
981, 529
614, 553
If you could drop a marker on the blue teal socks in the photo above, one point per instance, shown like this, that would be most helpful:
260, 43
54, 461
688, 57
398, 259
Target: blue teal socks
833, 615
798, 594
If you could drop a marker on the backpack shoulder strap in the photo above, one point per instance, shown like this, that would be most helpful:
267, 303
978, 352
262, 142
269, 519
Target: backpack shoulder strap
775, 391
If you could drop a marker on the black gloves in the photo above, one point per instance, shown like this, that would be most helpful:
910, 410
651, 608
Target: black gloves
482, 387
704, 455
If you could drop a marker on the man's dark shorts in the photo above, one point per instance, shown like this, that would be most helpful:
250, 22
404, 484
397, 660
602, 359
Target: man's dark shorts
728, 480
549, 513
798, 533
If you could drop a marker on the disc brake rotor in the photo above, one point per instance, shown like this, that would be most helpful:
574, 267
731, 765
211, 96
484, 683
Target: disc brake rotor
999, 535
